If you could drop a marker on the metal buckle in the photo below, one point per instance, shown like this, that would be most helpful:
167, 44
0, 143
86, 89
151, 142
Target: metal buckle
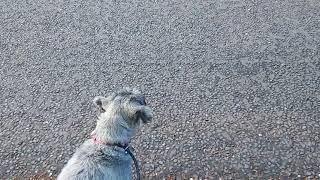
126, 149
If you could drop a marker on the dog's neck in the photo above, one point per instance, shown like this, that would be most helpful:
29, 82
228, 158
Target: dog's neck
111, 131
96, 140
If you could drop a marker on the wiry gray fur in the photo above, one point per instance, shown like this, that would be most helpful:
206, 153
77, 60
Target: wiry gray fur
121, 113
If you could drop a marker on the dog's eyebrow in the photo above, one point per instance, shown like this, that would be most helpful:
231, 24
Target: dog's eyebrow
123, 93
140, 100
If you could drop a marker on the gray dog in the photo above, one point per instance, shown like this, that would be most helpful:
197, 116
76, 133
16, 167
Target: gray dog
104, 155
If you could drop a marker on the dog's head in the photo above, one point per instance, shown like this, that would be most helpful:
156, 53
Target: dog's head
127, 106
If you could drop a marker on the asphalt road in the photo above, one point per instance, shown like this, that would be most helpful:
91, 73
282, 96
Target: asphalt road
234, 85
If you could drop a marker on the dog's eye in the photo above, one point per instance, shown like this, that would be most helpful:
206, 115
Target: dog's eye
144, 102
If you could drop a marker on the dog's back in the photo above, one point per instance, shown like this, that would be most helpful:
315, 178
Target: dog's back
97, 162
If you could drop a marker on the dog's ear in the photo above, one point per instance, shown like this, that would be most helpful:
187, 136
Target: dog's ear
144, 113
100, 102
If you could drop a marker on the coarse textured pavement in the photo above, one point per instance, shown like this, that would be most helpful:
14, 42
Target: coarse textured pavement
234, 84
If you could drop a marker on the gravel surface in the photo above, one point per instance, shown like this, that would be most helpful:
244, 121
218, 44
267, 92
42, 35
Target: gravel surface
234, 84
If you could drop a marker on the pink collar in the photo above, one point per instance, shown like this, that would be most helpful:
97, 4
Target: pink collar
96, 140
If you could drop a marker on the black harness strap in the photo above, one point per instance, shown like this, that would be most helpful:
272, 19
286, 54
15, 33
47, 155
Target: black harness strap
135, 161
127, 150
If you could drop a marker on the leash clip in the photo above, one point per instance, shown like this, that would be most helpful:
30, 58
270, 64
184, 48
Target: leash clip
126, 149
